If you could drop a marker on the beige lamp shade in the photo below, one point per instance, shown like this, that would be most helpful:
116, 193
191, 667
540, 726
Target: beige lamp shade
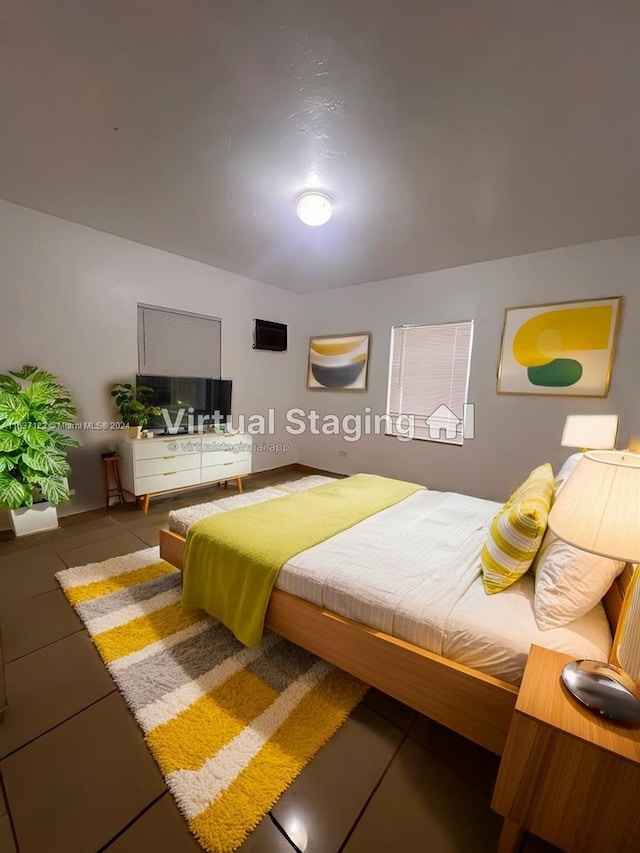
598, 508
595, 432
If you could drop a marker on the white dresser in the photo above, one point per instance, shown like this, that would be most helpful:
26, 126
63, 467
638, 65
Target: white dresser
151, 466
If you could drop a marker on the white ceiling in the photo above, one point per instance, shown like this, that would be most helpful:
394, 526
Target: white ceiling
447, 131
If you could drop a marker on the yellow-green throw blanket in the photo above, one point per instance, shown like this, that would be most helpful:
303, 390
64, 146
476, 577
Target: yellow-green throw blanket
232, 560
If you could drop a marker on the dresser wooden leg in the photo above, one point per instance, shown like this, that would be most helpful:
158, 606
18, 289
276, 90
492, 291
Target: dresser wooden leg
145, 503
510, 837
239, 483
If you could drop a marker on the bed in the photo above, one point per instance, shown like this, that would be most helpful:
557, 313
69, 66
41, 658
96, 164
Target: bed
432, 639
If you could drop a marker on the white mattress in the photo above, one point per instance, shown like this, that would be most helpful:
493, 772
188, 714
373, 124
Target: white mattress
413, 571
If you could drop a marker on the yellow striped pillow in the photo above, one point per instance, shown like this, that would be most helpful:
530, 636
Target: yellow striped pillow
517, 530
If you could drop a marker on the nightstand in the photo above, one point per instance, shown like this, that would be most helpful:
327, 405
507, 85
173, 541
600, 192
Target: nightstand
567, 775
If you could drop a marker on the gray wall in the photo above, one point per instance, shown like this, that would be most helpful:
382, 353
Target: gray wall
68, 304
513, 433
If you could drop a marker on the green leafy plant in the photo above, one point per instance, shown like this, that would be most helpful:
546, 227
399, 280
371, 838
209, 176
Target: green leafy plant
134, 404
33, 461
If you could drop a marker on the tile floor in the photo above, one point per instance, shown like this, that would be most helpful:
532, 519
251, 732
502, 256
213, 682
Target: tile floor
77, 777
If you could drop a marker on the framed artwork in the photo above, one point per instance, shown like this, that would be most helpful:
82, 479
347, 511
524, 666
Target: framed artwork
563, 349
338, 362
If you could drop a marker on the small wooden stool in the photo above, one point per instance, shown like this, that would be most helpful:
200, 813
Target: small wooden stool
112, 471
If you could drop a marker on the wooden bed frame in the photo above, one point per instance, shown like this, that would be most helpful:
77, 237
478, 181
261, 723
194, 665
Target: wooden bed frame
475, 705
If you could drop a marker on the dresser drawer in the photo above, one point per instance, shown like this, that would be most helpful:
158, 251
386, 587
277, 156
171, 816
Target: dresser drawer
168, 481
228, 471
223, 449
167, 464
156, 448
221, 458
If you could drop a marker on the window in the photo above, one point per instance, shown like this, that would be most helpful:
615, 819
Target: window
176, 343
429, 380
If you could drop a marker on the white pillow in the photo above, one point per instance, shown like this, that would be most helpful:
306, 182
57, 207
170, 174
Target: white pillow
567, 469
561, 478
569, 582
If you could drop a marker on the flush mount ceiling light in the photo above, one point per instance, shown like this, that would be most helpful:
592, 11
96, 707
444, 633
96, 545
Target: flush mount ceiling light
313, 208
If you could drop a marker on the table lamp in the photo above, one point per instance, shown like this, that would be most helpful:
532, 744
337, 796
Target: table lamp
590, 432
598, 510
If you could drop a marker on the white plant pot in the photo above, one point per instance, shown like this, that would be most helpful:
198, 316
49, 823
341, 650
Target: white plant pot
34, 519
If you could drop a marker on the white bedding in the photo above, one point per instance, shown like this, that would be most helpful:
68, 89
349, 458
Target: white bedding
413, 571
493, 633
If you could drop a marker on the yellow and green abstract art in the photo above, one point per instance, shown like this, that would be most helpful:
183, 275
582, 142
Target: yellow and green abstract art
562, 349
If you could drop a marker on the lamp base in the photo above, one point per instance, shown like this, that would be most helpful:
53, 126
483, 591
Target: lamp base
604, 689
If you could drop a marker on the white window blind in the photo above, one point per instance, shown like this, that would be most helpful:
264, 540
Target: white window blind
176, 343
429, 380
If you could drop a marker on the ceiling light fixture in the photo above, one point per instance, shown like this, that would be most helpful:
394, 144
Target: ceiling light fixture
313, 208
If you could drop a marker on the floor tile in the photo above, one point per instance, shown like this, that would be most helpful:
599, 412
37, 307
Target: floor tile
149, 534
396, 712
327, 797
134, 521
160, 829
36, 622
422, 804
48, 686
25, 575
127, 515
71, 528
73, 789
7, 844
266, 838
83, 517
3, 804
95, 552
31, 571
475, 764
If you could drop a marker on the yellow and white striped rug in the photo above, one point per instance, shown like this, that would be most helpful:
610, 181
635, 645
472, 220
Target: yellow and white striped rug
230, 727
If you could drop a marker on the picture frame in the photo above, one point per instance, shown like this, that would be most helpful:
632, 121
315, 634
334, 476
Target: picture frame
338, 362
559, 349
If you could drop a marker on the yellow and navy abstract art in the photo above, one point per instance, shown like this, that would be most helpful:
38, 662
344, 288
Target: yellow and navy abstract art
561, 349
339, 362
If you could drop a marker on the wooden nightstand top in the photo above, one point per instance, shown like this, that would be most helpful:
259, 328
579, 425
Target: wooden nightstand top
543, 697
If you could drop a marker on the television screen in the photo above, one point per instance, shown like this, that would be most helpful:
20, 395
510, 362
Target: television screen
178, 392
221, 400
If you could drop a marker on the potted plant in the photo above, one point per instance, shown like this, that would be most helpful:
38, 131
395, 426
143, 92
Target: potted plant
134, 406
33, 463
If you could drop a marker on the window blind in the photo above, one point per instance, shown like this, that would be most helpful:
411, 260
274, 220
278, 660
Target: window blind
429, 379
176, 343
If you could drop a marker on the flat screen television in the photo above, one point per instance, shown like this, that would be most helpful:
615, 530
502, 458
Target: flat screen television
207, 397
269, 335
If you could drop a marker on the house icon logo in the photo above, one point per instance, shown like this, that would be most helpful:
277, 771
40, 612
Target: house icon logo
443, 424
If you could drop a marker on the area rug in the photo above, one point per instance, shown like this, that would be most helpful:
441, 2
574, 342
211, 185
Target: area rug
229, 726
